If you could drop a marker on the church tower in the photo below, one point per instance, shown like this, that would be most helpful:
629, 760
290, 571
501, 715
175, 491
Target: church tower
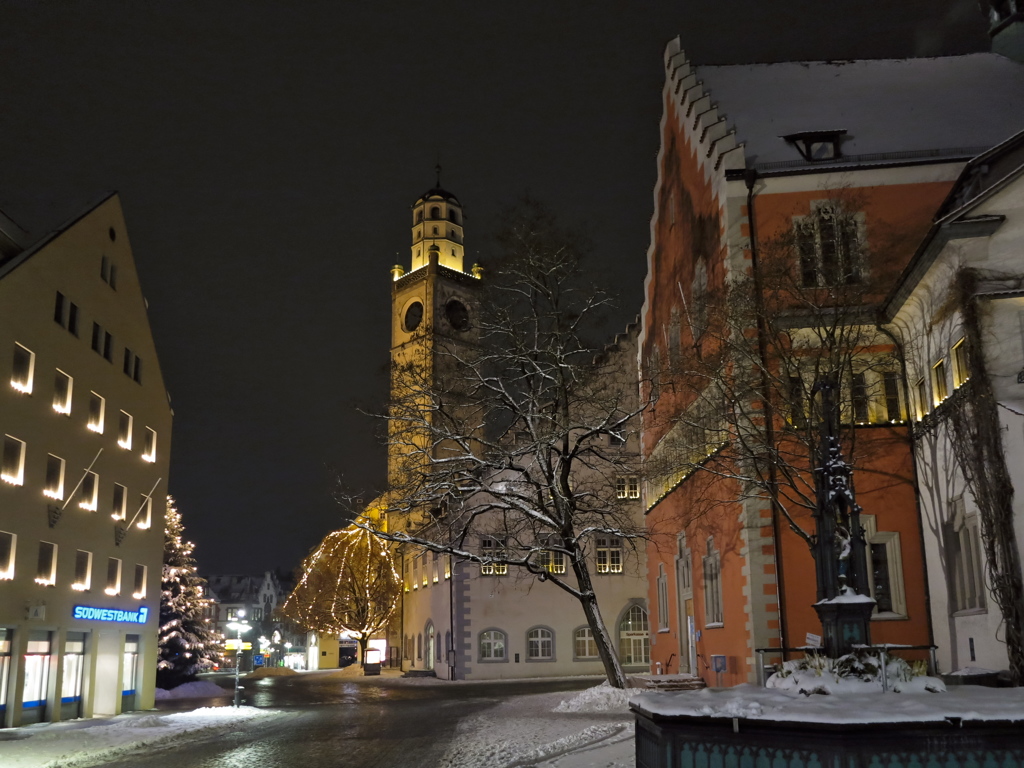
434, 304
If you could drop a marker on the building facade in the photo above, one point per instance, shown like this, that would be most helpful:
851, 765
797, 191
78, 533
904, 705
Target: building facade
86, 426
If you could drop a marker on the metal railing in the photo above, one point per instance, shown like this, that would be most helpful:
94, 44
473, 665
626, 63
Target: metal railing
885, 650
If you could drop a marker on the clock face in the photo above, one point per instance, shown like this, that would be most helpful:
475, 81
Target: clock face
413, 316
457, 315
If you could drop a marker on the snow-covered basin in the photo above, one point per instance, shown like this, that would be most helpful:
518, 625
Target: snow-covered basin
965, 703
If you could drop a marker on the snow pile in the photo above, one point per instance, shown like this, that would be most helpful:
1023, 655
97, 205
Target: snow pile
92, 742
200, 689
270, 672
856, 672
602, 698
520, 752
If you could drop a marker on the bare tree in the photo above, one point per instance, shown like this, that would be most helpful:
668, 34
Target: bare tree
505, 450
348, 584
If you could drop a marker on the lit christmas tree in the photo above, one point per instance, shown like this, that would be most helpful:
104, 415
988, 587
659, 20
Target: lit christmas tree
348, 584
187, 645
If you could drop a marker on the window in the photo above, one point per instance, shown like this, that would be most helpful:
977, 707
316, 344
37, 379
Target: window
551, 560
540, 645
493, 547
939, 381
54, 487
113, 576
492, 645
132, 365
234, 614
713, 586
447, 566
149, 450
963, 543
584, 646
662, 599
609, 554
62, 386
627, 487
859, 398
961, 373
885, 569
83, 571
922, 399
419, 646
12, 466
8, 543
119, 506
124, 430
46, 565
145, 514
23, 370
89, 491
828, 244
416, 571
797, 406
139, 589
102, 342
97, 411
634, 637
65, 313
108, 272
435, 212
434, 571
423, 568
891, 386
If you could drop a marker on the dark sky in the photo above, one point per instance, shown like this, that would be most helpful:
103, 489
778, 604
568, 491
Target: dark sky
267, 154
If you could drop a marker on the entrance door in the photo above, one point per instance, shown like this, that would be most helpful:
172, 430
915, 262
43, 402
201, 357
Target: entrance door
74, 666
430, 647
691, 637
684, 607
130, 674
37, 677
5, 669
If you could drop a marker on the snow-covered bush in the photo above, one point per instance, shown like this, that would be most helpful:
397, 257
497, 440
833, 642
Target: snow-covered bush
855, 672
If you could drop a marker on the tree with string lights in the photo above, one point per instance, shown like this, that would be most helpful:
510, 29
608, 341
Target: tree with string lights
187, 645
348, 584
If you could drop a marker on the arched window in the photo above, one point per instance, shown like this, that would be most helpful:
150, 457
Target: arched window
634, 637
435, 230
584, 646
492, 645
419, 216
435, 212
453, 216
540, 644
419, 646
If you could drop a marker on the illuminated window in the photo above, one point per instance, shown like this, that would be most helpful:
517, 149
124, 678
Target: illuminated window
922, 399
939, 386
83, 571
46, 565
492, 645
713, 615
609, 554
145, 517
634, 637
113, 576
124, 430
62, 386
12, 467
423, 567
493, 547
960, 370
540, 644
139, 590
584, 645
119, 507
435, 573
54, 487
627, 487
23, 370
447, 566
797, 402
415, 571
8, 542
97, 411
552, 560
891, 385
88, 491
859, 398
149, 451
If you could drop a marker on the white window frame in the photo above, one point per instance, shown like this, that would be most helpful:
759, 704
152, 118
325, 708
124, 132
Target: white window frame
894, 562
584, 635
609, 553
628, 645
540, 644
493, 546
12, 463
966, 543
22, 380
487, 651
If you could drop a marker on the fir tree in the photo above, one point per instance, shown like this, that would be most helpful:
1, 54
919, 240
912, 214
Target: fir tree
187, 645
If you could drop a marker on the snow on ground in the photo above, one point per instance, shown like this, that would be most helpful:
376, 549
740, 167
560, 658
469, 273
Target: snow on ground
548, 729
91, 742
200, 689
260, 672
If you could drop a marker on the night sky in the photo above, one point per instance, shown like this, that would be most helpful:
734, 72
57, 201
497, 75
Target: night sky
267, 155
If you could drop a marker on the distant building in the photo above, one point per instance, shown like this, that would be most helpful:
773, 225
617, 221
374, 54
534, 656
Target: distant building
86, 428
254, 599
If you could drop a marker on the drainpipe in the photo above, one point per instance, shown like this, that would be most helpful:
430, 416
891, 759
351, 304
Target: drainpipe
450, 655
750, 177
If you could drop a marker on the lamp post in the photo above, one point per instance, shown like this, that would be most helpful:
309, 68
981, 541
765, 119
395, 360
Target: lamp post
239, 627
287, 653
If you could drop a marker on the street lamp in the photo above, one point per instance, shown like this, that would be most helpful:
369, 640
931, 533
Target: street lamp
239, 627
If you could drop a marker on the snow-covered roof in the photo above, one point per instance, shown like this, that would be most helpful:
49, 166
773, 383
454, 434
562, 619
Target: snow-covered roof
966, 102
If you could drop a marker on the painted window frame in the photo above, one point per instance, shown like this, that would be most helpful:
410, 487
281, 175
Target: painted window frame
539, 643
486, 638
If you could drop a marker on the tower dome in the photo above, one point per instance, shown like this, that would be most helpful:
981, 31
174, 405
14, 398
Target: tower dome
437, 221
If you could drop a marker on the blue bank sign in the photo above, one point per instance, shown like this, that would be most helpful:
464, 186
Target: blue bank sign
88, 613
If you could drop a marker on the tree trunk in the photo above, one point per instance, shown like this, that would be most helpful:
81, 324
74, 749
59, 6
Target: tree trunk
605, 647
363, 640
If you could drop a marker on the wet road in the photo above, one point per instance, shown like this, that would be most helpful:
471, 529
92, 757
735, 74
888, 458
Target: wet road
331, 721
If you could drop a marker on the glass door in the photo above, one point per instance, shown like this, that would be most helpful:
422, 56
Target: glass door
74, 668
131, 673
37, 677
5, 668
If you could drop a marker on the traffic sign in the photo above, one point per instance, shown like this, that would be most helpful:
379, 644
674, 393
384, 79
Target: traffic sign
257, 659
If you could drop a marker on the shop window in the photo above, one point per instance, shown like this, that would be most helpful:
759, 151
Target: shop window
83, 571
584, 645
62, 387
37, 669
492, 645
634, 637
12, 464
493, 547
74, 667
89, 491
713, 587
609, 554
963, 543
540, 644
8, 545
23, 369
46, 564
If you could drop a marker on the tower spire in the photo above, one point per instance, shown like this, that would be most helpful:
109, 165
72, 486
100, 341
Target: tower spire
438, 169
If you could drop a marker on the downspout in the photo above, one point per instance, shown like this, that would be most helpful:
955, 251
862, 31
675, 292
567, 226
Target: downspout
917, 485
450, 655
750, 177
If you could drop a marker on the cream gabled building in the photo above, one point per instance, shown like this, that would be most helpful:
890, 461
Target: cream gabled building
86, 425
465, 621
